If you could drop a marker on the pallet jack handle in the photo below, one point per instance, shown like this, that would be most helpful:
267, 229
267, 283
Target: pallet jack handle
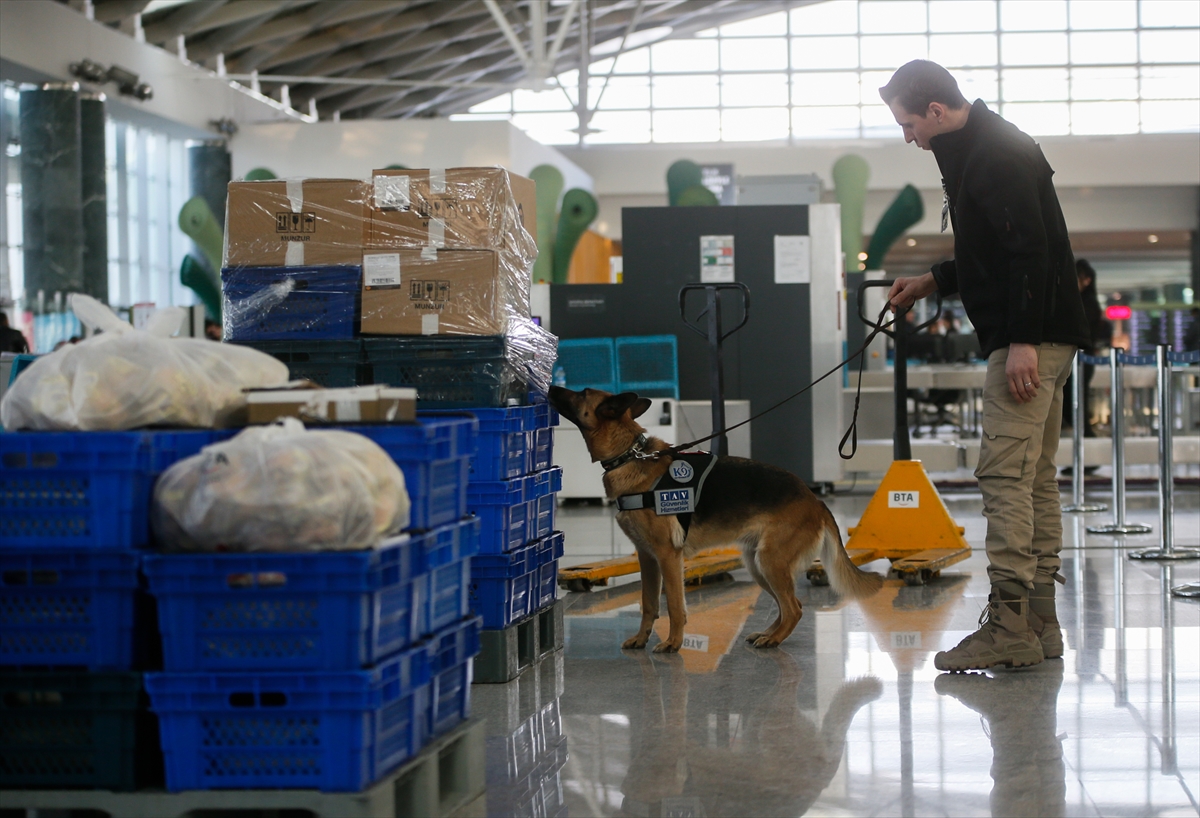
901, 445
714, 333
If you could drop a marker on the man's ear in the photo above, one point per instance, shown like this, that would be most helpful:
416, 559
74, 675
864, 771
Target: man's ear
614, 406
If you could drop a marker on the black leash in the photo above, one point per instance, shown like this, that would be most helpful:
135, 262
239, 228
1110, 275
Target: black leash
851, 433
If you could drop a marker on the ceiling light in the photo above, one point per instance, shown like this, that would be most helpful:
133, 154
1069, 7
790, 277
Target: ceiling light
1153, 239
911, 242
862, 256
636, 39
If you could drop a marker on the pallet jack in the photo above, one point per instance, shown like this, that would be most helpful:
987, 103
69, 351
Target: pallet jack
906, 521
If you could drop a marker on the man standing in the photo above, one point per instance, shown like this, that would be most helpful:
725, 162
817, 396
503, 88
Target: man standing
1014, 271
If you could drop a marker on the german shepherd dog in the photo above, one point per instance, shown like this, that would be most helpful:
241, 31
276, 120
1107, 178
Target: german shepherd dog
769, 512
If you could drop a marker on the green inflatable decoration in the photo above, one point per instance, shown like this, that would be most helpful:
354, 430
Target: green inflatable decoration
193, 274
850, 175
697, 196
549, 181
578, 211
904, 211
198, 223
681, 175
260, 175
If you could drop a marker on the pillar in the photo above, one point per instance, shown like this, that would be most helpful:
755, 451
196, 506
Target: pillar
51, 193
94, 188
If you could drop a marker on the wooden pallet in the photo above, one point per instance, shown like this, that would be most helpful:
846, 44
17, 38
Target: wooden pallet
505, 654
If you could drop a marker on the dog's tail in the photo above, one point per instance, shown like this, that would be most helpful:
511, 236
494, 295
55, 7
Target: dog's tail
845, 577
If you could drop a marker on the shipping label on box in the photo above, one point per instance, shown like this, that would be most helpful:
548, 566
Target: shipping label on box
291, 223
446, 292
456, 208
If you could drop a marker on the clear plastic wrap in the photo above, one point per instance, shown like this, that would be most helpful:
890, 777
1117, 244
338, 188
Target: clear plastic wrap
127, 379
281, 488
290, 303
446, 256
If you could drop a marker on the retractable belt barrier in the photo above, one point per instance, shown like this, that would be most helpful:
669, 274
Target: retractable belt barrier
1116, 362
1163, 358
1079, 503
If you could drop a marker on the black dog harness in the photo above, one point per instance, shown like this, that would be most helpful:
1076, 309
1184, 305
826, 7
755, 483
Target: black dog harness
677, 492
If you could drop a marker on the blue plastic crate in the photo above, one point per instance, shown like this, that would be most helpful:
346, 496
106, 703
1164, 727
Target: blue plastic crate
510, 510
448, 372
587, 363
323, 304
435, 477
550, 550
541, 449
304, 611
75, 489
504, 587
648, 365
332, 364
444, 595
332, 731
68, 608
450, 652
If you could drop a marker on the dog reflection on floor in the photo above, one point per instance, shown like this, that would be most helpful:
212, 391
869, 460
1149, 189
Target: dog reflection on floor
780, 760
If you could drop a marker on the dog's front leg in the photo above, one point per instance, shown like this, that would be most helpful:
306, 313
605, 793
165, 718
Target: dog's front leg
651, 593
670, 562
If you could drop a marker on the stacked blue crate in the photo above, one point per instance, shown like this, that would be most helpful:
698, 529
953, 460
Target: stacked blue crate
324, 670
75, 622
512, 491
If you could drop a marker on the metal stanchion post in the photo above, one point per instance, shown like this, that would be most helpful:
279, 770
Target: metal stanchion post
1079, 504
1170, 744
1117, 416
1166, 470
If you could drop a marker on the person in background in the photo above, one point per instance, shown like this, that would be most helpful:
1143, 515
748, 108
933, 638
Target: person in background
1191, 338
11, 339
1014, 269
1101, 333
212, 330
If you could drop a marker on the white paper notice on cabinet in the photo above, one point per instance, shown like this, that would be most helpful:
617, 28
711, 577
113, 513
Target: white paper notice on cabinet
716, 259
793, 260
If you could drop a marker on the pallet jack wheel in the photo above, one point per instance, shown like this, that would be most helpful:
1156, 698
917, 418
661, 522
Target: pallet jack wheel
818, 577
579, 586
919, 577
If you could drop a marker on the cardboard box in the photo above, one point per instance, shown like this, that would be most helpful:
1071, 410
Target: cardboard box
298, 222
409, 291
456, 208
360, 404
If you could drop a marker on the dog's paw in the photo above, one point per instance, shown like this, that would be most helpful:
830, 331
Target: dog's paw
634, 643
765, 641
754, 637
666, 647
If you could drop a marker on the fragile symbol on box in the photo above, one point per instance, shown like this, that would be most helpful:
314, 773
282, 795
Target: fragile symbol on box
289, 222
904, 499
428, 290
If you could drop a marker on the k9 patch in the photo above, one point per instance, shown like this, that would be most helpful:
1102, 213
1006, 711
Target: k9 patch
674, 501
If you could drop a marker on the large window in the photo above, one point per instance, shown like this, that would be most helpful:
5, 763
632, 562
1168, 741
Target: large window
1050, 66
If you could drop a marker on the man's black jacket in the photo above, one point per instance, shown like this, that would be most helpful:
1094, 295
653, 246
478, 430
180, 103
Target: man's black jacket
1012, 266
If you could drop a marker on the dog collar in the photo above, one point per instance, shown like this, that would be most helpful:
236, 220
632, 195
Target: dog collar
633, 451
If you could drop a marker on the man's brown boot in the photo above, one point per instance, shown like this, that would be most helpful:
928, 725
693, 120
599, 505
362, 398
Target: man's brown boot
1043, 619
1004, 636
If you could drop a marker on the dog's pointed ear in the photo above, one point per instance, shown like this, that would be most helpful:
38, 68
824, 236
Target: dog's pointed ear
639, 407
614, 406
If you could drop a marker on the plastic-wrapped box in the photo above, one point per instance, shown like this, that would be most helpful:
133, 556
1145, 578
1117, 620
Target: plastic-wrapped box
409, 291
461, 208
290, 303
295, 222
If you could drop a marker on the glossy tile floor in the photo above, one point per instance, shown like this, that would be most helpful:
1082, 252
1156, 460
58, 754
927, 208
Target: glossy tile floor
849, 717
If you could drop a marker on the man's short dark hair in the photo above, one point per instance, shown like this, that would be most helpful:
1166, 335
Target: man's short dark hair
920, 82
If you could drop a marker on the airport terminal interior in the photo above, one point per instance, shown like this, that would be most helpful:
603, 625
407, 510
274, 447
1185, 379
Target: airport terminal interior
310, 310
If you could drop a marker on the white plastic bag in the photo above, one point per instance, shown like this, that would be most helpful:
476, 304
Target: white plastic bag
125, 378
281, 488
